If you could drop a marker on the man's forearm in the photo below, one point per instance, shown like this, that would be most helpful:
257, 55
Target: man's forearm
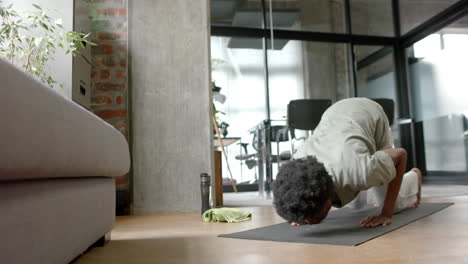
399, 158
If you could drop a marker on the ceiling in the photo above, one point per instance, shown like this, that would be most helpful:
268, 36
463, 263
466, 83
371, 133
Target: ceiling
242, 13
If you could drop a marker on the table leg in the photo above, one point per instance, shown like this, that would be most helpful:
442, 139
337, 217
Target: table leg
218, 170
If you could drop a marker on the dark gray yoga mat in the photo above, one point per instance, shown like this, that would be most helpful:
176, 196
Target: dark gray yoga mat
341, 227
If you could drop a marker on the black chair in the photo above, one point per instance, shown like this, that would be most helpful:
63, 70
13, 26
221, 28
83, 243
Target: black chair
280, 134
248, 159
305, 114
388, 106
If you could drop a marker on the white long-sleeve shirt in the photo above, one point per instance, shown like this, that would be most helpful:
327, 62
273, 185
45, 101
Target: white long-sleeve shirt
348, 141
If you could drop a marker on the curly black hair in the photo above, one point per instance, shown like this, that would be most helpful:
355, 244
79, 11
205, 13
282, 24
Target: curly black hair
301, 189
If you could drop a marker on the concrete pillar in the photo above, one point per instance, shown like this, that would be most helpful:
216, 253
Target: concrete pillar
169, 80
326, 71
321, 82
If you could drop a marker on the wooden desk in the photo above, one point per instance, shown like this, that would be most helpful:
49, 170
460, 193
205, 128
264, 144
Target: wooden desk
226, 141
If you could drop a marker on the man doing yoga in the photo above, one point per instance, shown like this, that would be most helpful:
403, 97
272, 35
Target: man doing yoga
349, 152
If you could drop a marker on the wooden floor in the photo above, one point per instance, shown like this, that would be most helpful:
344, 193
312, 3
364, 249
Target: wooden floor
184, 238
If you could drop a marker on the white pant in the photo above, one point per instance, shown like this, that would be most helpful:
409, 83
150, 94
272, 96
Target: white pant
375, 196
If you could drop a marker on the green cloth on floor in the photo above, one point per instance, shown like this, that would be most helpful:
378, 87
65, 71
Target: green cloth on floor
225, 214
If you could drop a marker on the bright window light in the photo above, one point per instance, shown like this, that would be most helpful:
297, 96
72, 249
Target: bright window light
427, 46
455, 42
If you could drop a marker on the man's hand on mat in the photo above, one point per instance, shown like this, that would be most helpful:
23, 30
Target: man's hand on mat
376, 220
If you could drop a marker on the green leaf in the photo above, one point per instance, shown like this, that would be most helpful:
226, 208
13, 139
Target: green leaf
43, 25
19, 37
37, 7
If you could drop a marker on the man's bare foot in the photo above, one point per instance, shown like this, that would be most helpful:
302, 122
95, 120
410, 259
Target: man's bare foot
418, 200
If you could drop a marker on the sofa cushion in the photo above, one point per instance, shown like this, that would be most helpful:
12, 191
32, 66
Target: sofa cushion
45, 135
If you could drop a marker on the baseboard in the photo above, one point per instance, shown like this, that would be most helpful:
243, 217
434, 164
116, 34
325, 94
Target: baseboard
446, 179
241, 188
122, 203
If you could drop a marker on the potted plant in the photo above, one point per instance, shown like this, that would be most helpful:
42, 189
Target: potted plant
30, 40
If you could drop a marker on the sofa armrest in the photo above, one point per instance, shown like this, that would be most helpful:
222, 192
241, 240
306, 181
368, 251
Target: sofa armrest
45, 135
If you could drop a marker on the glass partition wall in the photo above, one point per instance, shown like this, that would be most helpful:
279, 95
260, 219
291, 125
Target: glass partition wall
304, 70
376, 79
437, 71
372, 17
238, 75
267, 53
413, 13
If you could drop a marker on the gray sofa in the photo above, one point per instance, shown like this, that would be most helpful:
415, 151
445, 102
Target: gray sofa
57, 163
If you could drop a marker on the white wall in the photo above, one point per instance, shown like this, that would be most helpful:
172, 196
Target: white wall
61, 68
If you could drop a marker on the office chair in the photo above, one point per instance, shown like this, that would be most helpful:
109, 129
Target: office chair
248, 159
280, 134
305, 114
388, 106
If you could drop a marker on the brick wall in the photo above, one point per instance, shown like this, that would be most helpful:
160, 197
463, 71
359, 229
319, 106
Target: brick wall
107, 22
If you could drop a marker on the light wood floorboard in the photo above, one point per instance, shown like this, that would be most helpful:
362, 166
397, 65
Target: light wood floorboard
184, 238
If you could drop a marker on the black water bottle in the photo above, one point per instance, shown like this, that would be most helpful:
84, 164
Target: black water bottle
205, 181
